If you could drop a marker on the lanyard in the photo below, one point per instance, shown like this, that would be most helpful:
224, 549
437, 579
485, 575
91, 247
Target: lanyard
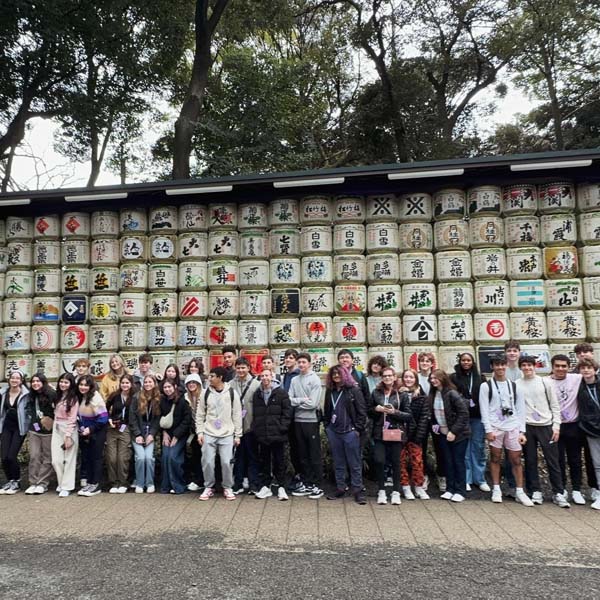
510, 396
593, 392
471, 384
245, 389
335, 401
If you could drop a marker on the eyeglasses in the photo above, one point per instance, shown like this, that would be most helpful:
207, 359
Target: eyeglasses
388, 375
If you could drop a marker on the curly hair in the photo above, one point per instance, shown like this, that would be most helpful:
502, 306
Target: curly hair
347, 379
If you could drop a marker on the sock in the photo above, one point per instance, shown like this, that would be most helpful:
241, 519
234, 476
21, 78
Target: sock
519, 490
496, 487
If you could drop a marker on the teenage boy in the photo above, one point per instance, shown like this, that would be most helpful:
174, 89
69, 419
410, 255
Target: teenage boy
583, 350
503, 417
305, 397
290, 371
229, 358
269, 364
144, 368
542, 418
219, 427
512, 351
570, 442
82, 367
291, 368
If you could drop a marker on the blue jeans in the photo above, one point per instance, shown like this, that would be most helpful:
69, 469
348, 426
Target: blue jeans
454, 461
345, 450
246, 461
475, 457
144, 464
172, 468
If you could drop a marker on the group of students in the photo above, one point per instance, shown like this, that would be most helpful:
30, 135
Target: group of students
251, 422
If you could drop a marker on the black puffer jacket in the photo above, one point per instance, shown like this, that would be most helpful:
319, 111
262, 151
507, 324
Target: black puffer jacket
182, 417
271, 421
355, 407
589, 411
465, 380
421, 412
401, 418
456, 409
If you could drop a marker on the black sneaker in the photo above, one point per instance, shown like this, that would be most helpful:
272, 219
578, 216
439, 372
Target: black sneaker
302, 491
316, 493
14, 488
237, 490
294, 485
91, 490
359, 498
336, 495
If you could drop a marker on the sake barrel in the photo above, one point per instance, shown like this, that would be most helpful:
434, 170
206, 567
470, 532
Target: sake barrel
18, 284
316, 239
382, 237
491, 328
588, 198
556, 197
68, 360
184, 358
522, 230
162, 305
488, 263
316, 210
192, 246
285, 302
284, 242
284, 332
484, 200
223, 244
46, 227
254, 274
589, 228
318, 270
486, 232
416, 206
223, 304
134, 277
223, 274
524, 263
384, 331
193, 276
163, 248
46, 309
162, 335
382, 207
3, 259
105, 224
75, 253
319, 300
133, 221
104, 309
17, 362
19, 229
591, 292
46, 253
384, 299
391, 354
316, 331
104, 280
590, 261
255, 304
47, 363
134, 249
194, 305
455, 328
75, 225
321, 360
162, 277
455, 297
104, 338
253, 333
17, 311
519, 199
528, 326
285, 272
46, 282
492, 295
451, 234
192, 217
163, 219
350, 299
45, 338
349, 209
349, 268
20, 255
349, 330
131, 358
74, 338
564, 294
561, 262
415, 236
253, 216
254, 245
74, 308
543, 356
528, 294
592, 325
558, 229
567, 350
222, 216
453, 265
360, 356
162, 359
383, 268
449, 204
420, 329
284, 212
416, 267
99, 364
566, 326
2, 283
417, 298
133, 335
448, 356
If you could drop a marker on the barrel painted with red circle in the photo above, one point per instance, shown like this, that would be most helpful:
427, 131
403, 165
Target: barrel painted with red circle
491, 328
316, 331
45, 338
74, 337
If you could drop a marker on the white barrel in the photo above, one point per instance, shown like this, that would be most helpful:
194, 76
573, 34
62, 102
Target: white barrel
19, 229
133, 335
349, 268
162, 277
47, 363
17, 311
68, 360
455, 297
133, 306
133, 221
416, 206
254, 274
384, 331
134, 249
20, 255
284, 212
524, 263
561, 262
223, 274
588, 198
105, 224
17, 362
223, 244
382, 237
486, 231
105, 252
18, 284
384, 300
589, 228
543, 354
349, 330
104, 309
76, 225
316, 331
285, 302
383, 268
591, 292
556, 197
528, 294
3, 279
318, 301
75, 253
350, 299
558, 229
192, 246
221, 333
391, 354
522, 230
253, 216
488, 263
162, 335
564, 294
411, 356
315, 210
222, 216
566, 326
528, 326
455, 328
185, 356
46, 309
284, 242
100, 364
163, 358
3, 259
519, 199
74, 338
416, 267
253, 333
192, 217
104, 338
163, 219
491, 328
349, 209
284, 332
453, 265
449, 204
448, 356
46, 253
45, 338
223, 304
420, 329
254, 245
255, 304
492, 295
319, 270
590, 261
162, 305
104, 280
415, 236
316, 239
193, 276
417, 298
134, 277
194, 305
163, 248
285, 272
592, 325
191, 334
321, 360
74, 308
382, 207
45, 282
46, 227
451, 234
484, 200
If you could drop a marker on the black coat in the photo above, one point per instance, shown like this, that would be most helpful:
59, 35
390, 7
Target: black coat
356, 408
139, 423
456, 409
271, 421
589, 411
462, 381
182, 417
421, 412
401, 418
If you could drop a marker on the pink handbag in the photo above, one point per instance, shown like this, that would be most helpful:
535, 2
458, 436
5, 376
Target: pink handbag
392, 435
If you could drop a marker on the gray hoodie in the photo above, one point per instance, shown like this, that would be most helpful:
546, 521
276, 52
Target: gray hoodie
305, 397
245, 391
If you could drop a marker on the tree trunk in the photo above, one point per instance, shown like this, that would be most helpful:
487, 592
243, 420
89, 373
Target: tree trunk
8, 169
554, 103
15, 131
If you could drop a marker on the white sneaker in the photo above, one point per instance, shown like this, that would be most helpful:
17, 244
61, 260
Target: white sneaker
468, 487
40, 489
596, 504
396, 498
595, 494
113, 490
282, 494
381, 497
538, 498
421, 494
122, 489
407, 492
484, 487
264, 492
139, 489
457, 498
31, 490
64, 494
497, 496
578, 497
442, 484
560, 500
150, 489
523, 498
193, 487
446, 496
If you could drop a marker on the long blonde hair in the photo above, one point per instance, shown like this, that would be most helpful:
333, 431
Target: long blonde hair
153, 398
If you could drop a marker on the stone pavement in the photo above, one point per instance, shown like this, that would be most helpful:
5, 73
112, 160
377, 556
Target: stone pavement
303, 523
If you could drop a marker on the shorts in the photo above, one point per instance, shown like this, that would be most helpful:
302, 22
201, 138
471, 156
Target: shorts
507, 439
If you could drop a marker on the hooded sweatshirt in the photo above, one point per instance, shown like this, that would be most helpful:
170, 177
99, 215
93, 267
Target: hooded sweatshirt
541, 404
217, 415
245, 390
305, 396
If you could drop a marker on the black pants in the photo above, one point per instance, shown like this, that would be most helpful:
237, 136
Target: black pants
193, 463
440, 466
10, 444
92, 450
271, 459
590, 471
570, 443
308, 445
393, 450
541, 435
294, 457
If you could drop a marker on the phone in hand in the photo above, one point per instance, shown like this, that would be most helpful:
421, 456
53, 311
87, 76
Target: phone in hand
388, 406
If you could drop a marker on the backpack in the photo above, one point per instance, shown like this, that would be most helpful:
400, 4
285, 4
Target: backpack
206, 398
